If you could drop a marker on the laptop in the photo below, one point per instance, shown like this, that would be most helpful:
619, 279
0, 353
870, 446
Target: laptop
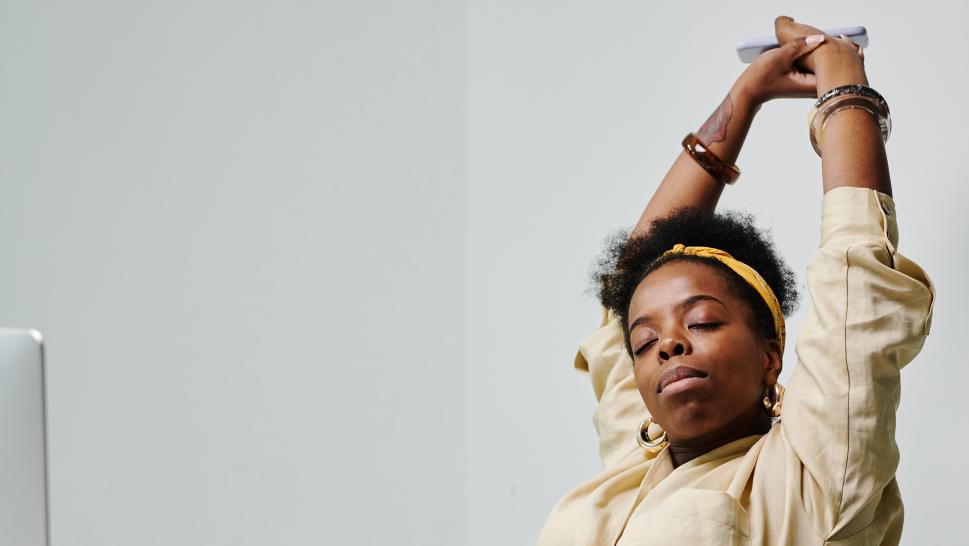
23, 439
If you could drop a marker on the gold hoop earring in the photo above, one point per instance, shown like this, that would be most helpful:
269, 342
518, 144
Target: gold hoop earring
778, 399
768, 405
773, 407
643, 436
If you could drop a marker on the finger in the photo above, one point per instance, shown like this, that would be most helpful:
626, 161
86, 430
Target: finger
802, 84
796, 84
786, 29
799, 47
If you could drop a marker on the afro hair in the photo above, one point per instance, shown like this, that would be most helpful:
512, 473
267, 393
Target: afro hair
627, 260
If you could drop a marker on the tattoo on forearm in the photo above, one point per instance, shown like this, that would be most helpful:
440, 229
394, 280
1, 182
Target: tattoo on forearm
714, 129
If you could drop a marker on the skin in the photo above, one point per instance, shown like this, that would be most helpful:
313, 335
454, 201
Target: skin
714, 129
715, 336
853, 153
728, 406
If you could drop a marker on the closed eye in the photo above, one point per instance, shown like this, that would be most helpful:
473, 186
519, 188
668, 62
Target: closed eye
706, 325
699, 325
644, 346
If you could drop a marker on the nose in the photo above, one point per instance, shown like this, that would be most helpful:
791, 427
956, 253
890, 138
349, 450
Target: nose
672, 346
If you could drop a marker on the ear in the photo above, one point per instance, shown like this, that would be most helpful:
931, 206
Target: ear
773, 361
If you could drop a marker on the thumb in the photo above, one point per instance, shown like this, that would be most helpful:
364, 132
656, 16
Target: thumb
802, 84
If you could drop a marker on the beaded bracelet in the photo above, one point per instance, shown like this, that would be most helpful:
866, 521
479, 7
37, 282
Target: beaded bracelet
718, 168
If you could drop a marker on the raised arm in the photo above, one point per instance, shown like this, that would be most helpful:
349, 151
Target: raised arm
603, 354
772, 75
852, 151
870, 310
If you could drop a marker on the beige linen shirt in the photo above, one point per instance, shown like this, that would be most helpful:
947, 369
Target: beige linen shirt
825, 472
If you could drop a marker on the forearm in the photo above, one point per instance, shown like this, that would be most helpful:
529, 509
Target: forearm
852, 151
687, 184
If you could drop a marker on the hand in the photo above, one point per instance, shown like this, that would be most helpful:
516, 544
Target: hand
774, 74
787, 30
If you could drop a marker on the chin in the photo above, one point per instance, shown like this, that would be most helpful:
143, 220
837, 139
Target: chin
690, 422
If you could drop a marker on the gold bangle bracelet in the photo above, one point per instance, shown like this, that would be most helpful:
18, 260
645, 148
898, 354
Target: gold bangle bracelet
718, 168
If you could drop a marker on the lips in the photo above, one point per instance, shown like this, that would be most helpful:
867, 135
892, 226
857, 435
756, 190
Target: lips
673, 375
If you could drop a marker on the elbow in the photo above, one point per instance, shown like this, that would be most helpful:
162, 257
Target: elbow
889, 301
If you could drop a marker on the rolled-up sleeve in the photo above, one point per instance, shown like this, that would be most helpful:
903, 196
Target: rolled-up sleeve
870, 310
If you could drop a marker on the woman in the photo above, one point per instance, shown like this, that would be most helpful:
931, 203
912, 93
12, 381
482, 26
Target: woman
693, 326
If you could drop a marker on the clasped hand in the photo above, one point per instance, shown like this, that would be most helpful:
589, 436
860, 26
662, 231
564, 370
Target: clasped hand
788, 71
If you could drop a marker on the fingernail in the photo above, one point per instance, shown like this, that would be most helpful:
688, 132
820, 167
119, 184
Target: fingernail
814, 39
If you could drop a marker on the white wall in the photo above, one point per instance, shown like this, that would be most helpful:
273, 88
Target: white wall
240, 227
314, 273
576, 111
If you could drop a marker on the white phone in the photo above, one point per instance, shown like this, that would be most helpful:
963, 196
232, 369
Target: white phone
749, 49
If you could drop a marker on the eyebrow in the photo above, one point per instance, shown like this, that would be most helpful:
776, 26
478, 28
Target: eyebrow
679, 307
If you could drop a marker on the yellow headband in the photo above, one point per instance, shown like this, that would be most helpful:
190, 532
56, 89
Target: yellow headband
747, 273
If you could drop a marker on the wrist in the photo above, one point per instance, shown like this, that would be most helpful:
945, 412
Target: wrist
834, 52
839, 67
746, 98
725, 130
831, 52
839, 70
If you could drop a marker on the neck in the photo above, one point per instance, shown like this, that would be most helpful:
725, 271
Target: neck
683, 451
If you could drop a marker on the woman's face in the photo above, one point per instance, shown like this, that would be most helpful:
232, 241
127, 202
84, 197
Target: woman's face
700, 366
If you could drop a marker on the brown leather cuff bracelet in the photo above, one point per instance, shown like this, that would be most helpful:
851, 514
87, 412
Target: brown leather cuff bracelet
718, 168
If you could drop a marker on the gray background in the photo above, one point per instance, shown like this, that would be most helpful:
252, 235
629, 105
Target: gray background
315, 273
